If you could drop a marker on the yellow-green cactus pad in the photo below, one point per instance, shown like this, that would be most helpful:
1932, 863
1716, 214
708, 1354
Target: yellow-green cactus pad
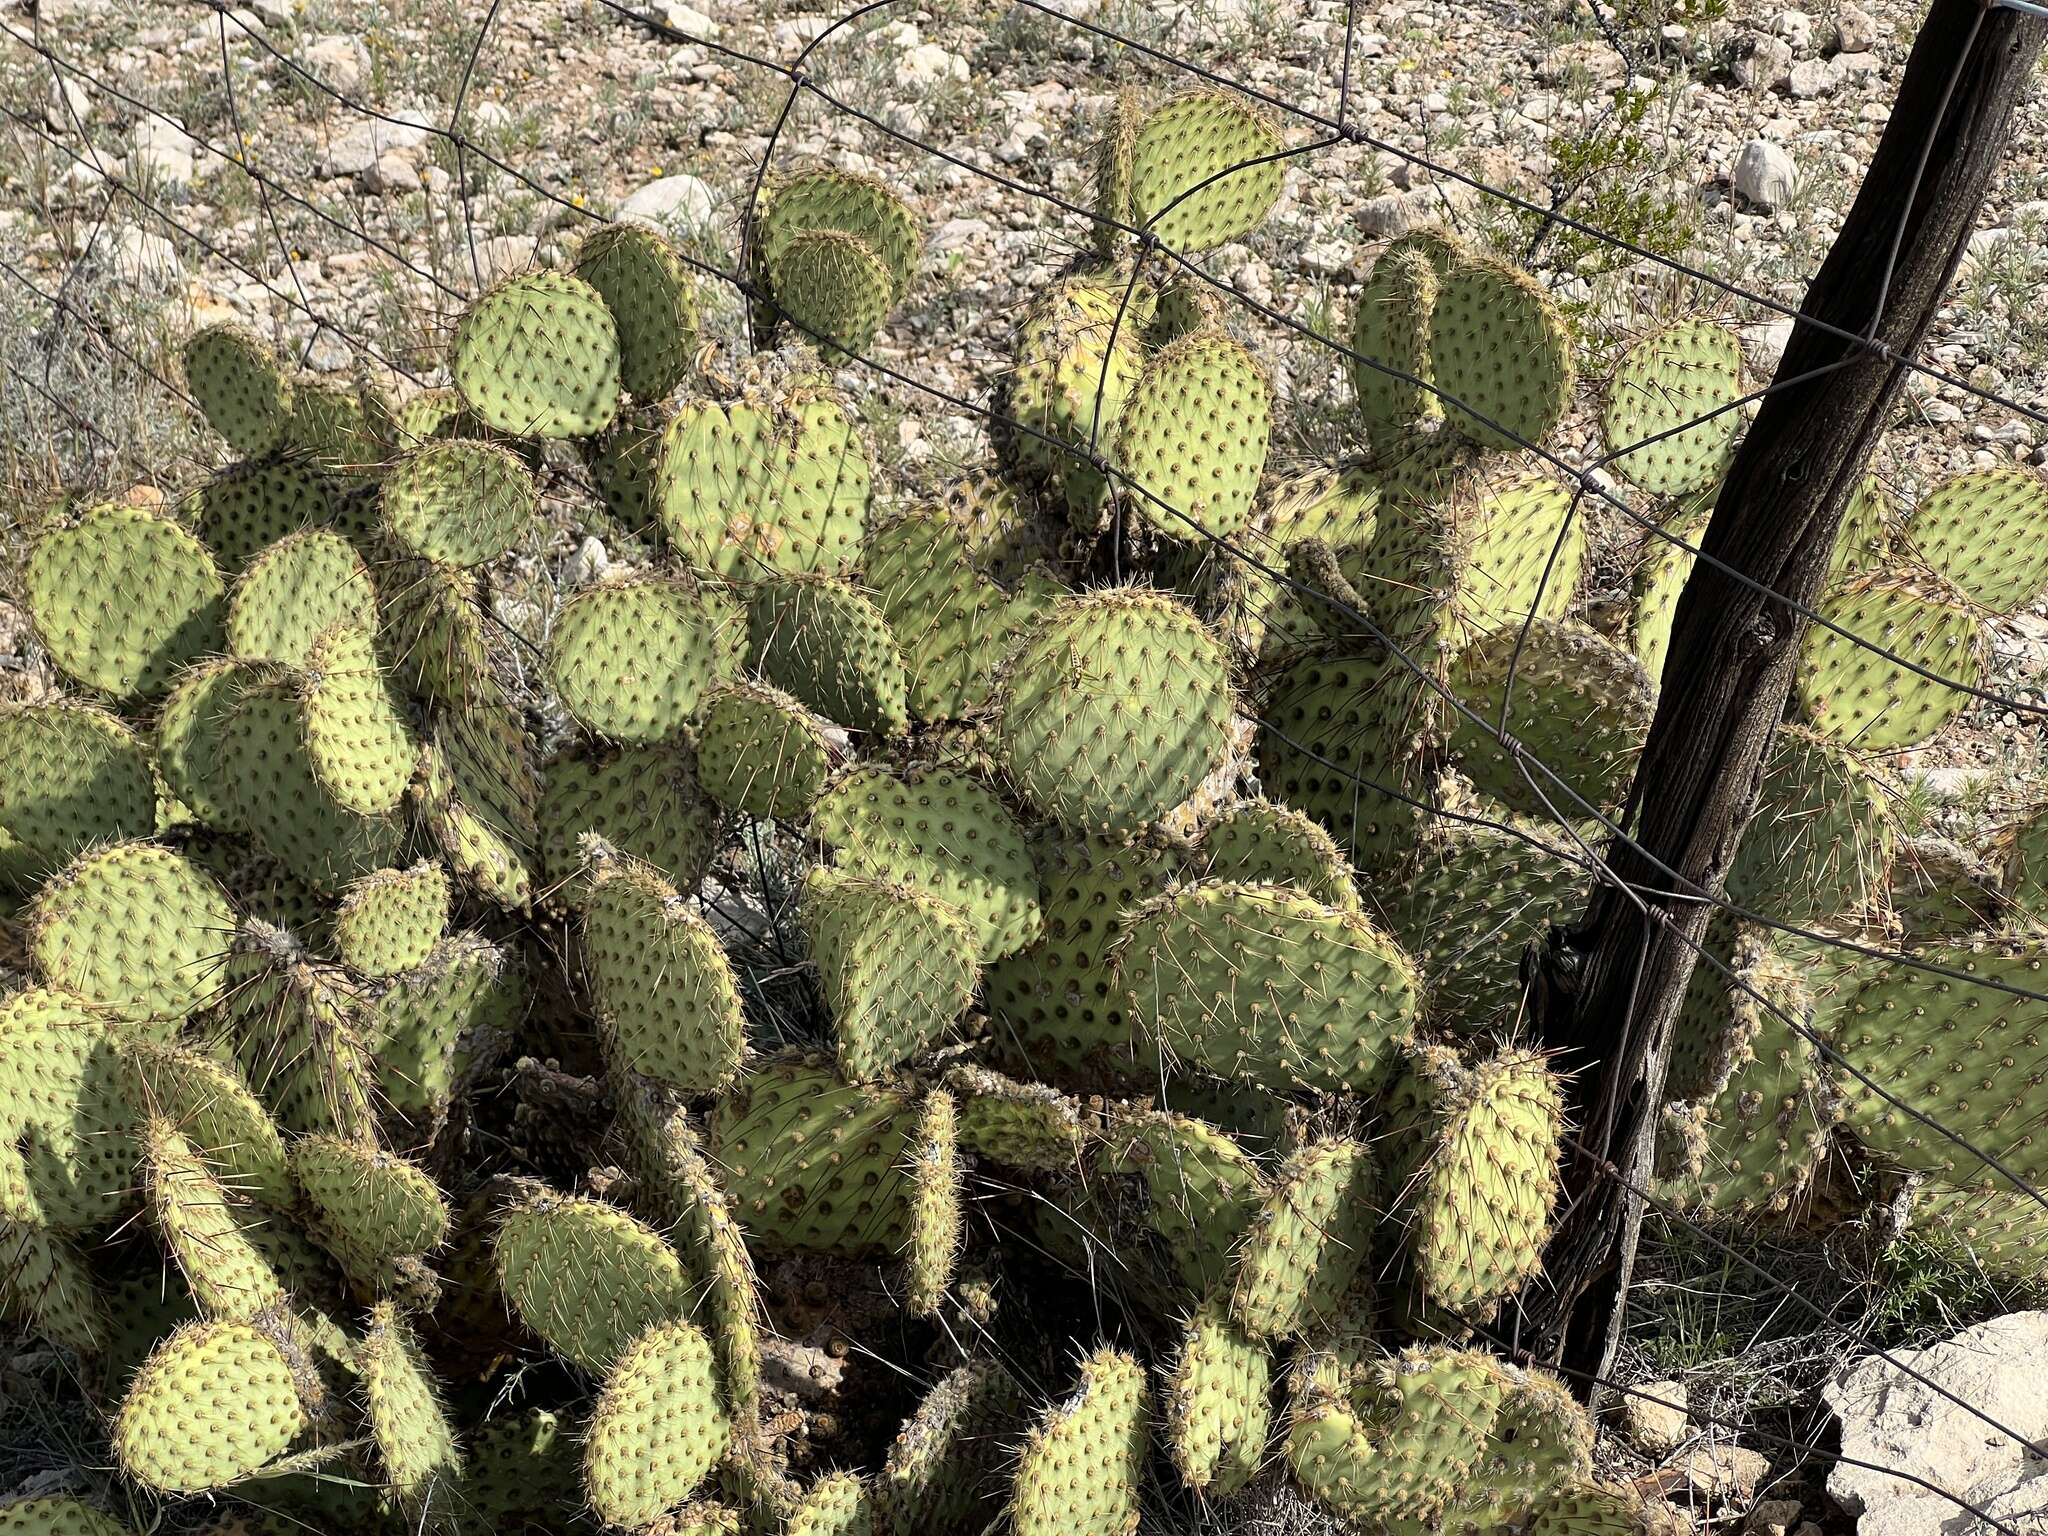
760, 751
833, 287
47, 1289
1191, 442
390, 920
208, 1234
822, 641
212, 1107
71, 775
360, 746
56, 1515
658, 1428
836, 1505
632, 658
1082, 1465
122, 598
296, 1032
437, 1021
1192, 182
1684, 377
293, 592
1307, 1241
1666, 566
214, 1403
587, 1277
1266, 982
368, 1207
1390, 329
1472, 1166
188, 732
1869, 701
897, 967
135, 929
1578, 704
937, 1199
646, 802
1017, 1124
1986, 532
1116, 705
1202, 1189
477, 797
440, 641
247, 507
825, 198
1079, 353
777, 485
1998, 1228
1256, 842
538, 356
415, 1441
648, 288
944, 834
460, 503
1820, 843
1218, 1408
935, 1476
1500, 353
669, 999
68, 1114
246, 397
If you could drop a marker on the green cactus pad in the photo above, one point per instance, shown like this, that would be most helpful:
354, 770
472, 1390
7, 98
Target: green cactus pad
214, 1403
1666, 565
341, 427
440, 640
1475, 900
1999, 1229
647, 286
814, 1163
1500, 354
1218, 1411
1256, 842
122, 598
669, 1000
368, 1207
588, 1278
1055, 1009
1683, 377
438, 1020
476, 795
1202, 1190
633, 658
646, 802
360, 747
296, 1030
826, 198
415, 1441
833, 287
897, 967
1986, 532
214, 1110
283, 804
768, 486
188, 730
246, 507
1193, 435
293, 592
1868, 701
1966, 1056
658, 1428
1082, 1465
1115, 706
1111, 154
46, 1289
459, 503
943, 834
538, 356
68, 1114
1391, 327
206, 1233
1075, 367
826, 644
1472, 1155
521, 1471
1266, 982
1539, 1443
238, 384
952, 625
835, 1505
1939, 890
1017, 1124
1184, 143
1819, 845
934, 1480
1591, 1510
1307, 1241
935, 1181
71, 776
135, 929
1580, 706
1340, 738
390, 920
56, 1515
760, 751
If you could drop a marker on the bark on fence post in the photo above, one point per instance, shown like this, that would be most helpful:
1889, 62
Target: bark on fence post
1605, 995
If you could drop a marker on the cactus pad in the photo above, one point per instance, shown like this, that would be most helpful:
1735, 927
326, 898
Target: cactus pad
658, 1428
1191, 442
1202, 1190
1256, 842
1078, 357
1081, 1465
1190, 181
368, 1207
135, 929
647, 287
937, 1200
761, 752
293, 592
1871, 702
1684, 377
122, 598
246, 507
208, 1235
823, 642
1500, 353
897, 967
1016, 1124
458, 502
633, 658
67, 1115
823, 198
1987, 533
238, 384
952, 625
1390, 327
414, 1438
432, 1023
71, 776
46, 1288
215, 1111
1820, 842
587, 1278
213, 1403
360, 747
1307, 1241
1217, 1410
932, 1480
390, 920
538, 356
645, 802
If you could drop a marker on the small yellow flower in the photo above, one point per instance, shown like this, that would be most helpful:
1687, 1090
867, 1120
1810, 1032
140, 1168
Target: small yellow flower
576, 199
654, 170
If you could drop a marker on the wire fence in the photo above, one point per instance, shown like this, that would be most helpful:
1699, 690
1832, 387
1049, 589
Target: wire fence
1570, 810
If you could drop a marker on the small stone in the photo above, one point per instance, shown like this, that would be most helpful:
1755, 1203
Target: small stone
1796, 27
676, 205
160, 154
1588, 60
1393, 214
70, 104
503, 255
687, 18
1811, 78
147, 259
1773, 1517
1855, 66
1653, 1416
1765, 64
1765, 342
590, 561
363, 144
1765, 175
927, 65
1024, 140
1855, 31
340, 61
393, 174
1727, 1474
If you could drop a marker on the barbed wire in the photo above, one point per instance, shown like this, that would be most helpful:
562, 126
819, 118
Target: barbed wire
1338, 130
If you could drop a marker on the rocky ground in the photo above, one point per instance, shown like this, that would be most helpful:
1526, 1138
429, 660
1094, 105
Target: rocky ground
1726, 135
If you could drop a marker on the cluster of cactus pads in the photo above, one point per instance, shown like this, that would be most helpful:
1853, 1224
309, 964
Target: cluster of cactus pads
491, 1056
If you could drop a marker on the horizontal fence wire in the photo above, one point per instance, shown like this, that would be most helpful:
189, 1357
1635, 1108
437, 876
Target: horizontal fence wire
1148, 249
